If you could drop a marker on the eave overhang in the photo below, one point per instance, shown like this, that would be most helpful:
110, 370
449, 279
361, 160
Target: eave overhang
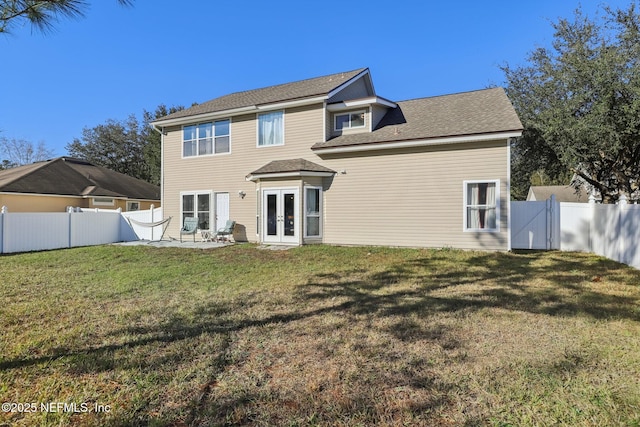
373, 100
296, 174
214, 115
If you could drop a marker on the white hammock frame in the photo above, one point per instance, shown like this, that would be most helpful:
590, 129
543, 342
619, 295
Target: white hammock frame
152, 224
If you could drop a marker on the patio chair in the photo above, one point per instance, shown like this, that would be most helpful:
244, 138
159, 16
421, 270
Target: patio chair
190, 226
227, 231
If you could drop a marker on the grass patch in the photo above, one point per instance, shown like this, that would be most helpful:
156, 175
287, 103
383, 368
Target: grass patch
319, 335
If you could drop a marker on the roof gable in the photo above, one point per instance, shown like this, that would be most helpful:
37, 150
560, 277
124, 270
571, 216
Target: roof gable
315, 87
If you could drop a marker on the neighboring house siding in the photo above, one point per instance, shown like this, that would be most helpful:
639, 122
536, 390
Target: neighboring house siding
413, 197
226, 173
56, 203
39, 203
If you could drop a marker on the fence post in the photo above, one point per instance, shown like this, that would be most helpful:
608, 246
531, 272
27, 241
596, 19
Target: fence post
152, 207
3, 211
622, 211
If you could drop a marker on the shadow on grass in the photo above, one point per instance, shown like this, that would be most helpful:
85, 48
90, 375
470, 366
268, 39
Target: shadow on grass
423, 286
493, 280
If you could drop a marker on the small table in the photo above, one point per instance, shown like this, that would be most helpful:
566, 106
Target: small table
207, 236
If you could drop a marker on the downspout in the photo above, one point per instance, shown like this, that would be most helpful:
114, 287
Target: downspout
509, 193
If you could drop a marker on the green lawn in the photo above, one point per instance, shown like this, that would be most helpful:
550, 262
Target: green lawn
318, 335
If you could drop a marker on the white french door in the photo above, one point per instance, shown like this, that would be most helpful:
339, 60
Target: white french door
222, 210
280, 223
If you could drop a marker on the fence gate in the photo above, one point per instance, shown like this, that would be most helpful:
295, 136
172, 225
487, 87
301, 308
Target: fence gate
535, 225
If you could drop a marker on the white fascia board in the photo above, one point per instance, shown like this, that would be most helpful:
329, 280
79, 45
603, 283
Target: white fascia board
204, 116
289, 104
296, 174
374, 100
418, 143
347, 83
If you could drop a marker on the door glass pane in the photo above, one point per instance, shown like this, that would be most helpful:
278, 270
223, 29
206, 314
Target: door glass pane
289, 214
187, 206
272, 215
203, 211
187, 203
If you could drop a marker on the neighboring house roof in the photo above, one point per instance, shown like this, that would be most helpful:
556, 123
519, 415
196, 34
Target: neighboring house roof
459, 115
75, 177
563, 193
319, 86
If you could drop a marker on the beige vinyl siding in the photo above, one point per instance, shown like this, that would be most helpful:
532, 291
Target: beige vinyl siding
413, 197
226, 173
400, 197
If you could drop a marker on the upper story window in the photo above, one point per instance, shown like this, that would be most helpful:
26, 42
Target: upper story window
271, 128
350, 120
206, 139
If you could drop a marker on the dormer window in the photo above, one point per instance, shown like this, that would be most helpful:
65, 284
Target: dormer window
350, 120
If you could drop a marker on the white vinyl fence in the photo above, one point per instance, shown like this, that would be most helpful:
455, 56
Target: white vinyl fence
146, 232
37, 231
612, 231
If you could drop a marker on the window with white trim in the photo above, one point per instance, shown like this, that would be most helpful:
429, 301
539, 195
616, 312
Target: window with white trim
197, 205
482, 205
205, 139
312, 211
103, 201
352, 120
271, 128
133, 206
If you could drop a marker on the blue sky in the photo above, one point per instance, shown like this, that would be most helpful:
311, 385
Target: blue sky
118, 61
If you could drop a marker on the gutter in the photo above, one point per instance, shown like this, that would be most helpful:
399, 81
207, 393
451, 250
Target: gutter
386, 145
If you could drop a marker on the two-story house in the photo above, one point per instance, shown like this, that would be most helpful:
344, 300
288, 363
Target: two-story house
327, 160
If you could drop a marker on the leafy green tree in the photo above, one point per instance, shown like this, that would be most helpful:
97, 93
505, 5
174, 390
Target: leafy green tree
129, 146
152, 138
41, 14
579, 102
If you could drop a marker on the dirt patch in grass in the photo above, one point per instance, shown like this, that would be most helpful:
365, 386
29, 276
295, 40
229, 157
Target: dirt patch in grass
319, 336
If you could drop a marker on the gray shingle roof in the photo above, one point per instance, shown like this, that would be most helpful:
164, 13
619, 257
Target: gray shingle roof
470, 113
284, 92
292, 165
74, 177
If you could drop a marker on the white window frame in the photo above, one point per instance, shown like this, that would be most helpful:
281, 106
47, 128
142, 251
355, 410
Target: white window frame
319, 216
465, 205
349, 113
103, 201
258, 128
130, 204
195, 195
213, 139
